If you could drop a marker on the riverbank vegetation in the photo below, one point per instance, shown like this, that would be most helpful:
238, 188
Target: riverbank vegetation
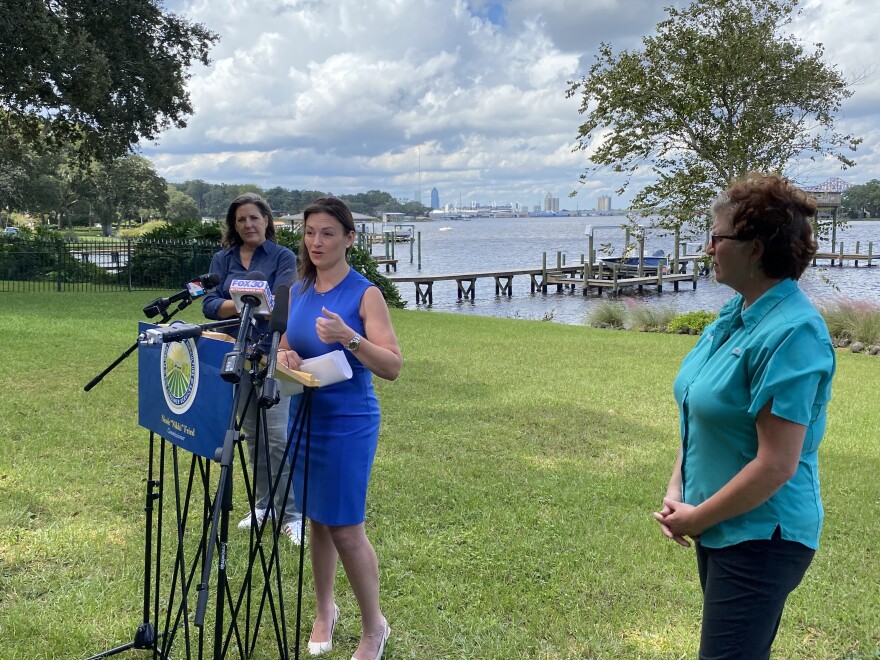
510, 503
849, 321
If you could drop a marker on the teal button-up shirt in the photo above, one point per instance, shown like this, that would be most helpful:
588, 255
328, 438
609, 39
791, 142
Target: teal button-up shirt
777, 349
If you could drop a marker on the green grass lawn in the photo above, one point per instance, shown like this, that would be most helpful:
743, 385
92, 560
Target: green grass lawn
510, 504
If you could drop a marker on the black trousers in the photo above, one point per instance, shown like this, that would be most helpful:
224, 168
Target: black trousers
744, 590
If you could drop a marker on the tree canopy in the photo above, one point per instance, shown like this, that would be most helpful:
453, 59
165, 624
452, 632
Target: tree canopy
99, 74
862, 201
719, 91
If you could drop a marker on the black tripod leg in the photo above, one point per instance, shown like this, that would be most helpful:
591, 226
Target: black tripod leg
145, 635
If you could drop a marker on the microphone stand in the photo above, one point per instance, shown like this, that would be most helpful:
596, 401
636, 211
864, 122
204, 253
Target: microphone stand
156, 307
233, 365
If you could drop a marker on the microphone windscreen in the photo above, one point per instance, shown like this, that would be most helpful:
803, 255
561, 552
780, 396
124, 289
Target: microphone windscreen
210, 281
278, 320
256, 275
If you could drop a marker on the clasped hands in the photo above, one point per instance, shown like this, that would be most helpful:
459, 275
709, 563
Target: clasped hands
678, 520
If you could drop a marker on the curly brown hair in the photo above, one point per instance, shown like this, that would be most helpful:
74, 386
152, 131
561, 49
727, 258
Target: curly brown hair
769, 208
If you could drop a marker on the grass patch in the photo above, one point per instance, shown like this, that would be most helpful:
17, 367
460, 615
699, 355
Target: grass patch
510, 502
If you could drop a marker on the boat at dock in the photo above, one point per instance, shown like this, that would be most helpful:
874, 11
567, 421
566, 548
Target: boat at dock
630, 265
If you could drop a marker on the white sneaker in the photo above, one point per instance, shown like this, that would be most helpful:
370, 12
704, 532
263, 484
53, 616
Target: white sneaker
293, 531
246, 521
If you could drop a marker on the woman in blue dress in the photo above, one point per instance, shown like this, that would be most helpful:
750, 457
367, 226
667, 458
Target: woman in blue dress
334, 307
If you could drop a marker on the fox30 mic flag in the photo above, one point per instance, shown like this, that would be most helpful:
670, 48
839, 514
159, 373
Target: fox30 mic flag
254, 290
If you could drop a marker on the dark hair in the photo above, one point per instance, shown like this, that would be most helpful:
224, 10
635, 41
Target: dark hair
230, 234
332, 206
771, 209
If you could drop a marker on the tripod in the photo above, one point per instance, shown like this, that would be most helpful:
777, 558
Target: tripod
195, 520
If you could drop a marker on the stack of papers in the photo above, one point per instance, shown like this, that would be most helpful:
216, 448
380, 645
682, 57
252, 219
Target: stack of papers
329, 368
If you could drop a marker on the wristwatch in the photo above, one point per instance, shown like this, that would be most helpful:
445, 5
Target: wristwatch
354, 343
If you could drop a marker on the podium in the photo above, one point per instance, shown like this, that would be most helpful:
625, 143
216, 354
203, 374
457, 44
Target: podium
188, 410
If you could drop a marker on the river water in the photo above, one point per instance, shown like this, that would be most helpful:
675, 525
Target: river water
486, 244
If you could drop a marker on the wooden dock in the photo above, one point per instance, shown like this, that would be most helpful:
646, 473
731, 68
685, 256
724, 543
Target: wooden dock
390, 264
838, 256
597, 277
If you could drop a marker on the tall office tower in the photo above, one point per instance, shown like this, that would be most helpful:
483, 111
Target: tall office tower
548, 202
604, 203
435, 199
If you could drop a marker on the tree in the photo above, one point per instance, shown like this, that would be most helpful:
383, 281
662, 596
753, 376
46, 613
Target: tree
120, 189
862, 201
101, 75
719, 91
196, 188
181, 208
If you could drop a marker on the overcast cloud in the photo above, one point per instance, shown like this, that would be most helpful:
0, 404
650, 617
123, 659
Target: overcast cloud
403, 95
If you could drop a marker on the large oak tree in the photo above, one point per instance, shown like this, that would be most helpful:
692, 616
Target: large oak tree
720, 90
101, 74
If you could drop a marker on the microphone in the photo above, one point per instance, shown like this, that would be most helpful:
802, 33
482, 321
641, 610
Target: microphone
250, 296
175, 332
277, 325
255, 290
195, 288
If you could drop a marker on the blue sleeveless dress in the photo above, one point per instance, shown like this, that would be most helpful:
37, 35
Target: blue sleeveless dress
345, 416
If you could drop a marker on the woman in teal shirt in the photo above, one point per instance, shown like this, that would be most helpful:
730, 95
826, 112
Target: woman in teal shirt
752, 397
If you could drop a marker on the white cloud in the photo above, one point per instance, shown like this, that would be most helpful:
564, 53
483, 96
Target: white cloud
350, 95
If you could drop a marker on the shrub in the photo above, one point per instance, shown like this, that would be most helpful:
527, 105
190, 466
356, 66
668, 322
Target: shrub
608, 314
651, 319
145, 229
853, 320
692, 323
363, 262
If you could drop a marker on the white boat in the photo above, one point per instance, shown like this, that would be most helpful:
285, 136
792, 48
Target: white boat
445, 229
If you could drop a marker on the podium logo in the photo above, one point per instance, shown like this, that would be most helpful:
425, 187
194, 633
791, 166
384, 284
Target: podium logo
180, 374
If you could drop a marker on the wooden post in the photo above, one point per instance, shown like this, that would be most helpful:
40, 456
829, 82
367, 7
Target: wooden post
856, 261
675, 251
420, 250
641, 271
543, 272
559, 264
870, 252
841, 256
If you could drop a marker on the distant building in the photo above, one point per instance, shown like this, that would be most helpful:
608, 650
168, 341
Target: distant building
551, 203
604, 203
435, 198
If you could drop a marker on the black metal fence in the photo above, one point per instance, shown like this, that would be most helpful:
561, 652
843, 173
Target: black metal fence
44, 264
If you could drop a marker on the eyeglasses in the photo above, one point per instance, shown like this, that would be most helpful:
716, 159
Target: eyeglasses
714, 238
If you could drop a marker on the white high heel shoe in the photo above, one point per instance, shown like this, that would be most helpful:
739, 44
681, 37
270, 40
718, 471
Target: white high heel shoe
385, 635
320, 648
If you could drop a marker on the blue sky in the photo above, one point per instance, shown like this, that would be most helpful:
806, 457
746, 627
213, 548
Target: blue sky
465, 95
